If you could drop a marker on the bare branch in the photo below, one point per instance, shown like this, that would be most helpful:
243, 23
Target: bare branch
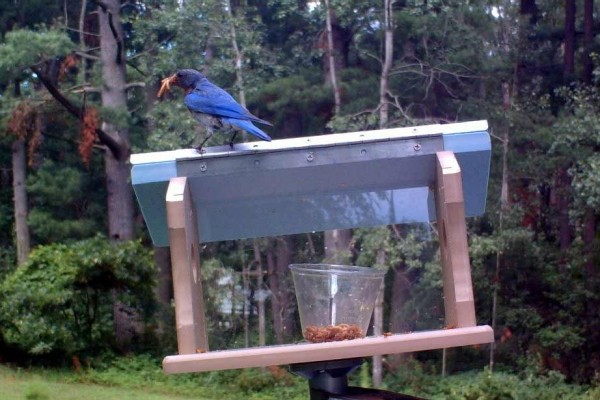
81, 32
85, 89
88, 56
132, 85
113, 145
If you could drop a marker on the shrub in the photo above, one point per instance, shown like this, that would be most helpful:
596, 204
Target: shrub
486, 386
61, 300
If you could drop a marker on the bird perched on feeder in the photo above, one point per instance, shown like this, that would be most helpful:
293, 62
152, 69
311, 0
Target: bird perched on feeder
212, 106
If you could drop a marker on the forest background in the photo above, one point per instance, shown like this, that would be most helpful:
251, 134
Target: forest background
78, 94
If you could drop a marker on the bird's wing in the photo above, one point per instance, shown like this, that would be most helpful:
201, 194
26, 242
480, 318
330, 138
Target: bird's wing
211, 99
248, 127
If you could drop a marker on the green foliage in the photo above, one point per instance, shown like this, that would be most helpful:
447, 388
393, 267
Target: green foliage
412, 258
23, 48
144, 372
67, 201
576, 142
300, 105
485, 386
51, 187
559, 338
254, 380
26, 14
61, 300
174, 127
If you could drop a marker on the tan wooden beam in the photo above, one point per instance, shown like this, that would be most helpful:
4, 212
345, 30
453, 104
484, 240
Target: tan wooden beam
458, 288
310, 352
185, 263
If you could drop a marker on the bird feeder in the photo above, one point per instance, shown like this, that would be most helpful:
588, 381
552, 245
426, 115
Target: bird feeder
361, 179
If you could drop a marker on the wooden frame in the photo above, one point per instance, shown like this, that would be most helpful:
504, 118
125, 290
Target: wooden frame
460, 329
185, 264
452, 230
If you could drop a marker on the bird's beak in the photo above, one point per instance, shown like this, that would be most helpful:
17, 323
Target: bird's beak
166, 84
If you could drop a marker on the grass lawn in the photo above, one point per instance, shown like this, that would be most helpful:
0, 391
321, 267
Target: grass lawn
142, 378
20, 385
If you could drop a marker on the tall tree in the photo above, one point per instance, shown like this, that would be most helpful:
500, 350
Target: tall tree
19, 165
563, 180
279, 257
590, 221
588, 41
388, 59
330, 53
569, 44
337, 241
21, 125
114, 98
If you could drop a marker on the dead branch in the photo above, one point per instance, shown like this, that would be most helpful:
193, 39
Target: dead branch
112, 144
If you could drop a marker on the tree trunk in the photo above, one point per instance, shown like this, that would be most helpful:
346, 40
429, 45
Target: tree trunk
337, 246
400, 290
238, 62
504, 206
19, 169
279, 257
112, 55
588, 41
238, 57
378, 324
528, 7
82, 46
120, 196
119, 189
387, 64
164, 287
569, 48
589, 237
330, 53
563, 185
261, 293
247, 302
336, 241
399, 322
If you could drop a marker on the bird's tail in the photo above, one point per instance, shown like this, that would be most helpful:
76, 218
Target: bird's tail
248, 127
262, 121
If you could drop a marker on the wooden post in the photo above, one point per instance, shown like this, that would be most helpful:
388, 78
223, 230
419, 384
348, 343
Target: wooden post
183, 239
452, 228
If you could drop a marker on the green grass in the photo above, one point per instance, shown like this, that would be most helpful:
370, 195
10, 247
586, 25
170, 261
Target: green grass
22, 385
141, 377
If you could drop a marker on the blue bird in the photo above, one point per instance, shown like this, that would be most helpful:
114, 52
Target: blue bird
212, 106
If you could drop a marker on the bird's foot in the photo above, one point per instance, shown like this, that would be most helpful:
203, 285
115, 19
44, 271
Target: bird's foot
199, 149
232, 139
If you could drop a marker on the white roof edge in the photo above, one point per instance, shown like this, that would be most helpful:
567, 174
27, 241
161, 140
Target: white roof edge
312, 141
464, 127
